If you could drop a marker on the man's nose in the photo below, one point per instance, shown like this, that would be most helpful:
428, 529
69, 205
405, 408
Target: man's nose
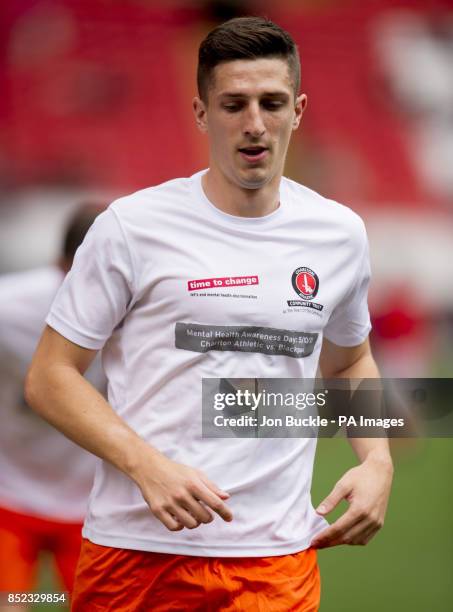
253, 121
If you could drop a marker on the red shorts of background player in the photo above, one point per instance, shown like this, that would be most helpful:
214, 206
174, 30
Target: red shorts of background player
23, 537
117, 580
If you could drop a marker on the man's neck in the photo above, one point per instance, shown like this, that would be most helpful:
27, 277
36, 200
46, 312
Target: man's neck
239, 201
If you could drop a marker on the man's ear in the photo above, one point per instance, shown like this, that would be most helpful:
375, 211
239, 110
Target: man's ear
199, 110
299, 108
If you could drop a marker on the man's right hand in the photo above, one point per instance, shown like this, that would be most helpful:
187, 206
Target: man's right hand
180, 496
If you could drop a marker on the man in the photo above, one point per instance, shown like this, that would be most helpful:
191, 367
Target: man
45, 479
151, 542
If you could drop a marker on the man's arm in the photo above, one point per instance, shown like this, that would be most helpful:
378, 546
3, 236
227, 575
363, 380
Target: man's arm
178, 495
367, 486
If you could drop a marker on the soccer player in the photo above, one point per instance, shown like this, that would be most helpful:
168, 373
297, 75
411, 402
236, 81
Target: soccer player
45, 479
144, 290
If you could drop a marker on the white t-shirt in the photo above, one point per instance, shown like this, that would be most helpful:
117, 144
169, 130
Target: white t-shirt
41, 472
143, 277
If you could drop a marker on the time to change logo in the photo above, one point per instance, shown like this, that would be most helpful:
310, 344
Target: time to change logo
305, 283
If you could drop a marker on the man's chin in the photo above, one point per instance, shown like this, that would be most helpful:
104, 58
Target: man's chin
254, 180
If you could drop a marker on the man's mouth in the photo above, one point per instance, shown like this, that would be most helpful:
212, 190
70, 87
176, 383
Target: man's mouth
253, 153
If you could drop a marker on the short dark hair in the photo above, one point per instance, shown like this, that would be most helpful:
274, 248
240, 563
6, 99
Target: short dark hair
245, 38
78, 225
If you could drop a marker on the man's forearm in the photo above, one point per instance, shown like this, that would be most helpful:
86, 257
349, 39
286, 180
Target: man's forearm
356, 366
372, 449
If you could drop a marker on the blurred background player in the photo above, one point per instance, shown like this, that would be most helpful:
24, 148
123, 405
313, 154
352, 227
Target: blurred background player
45, 479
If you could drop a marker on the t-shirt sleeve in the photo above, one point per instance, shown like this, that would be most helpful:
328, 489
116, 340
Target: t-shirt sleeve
98, 290
349, 323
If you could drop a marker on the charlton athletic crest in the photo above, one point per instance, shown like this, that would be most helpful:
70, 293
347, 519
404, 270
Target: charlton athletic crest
305, 283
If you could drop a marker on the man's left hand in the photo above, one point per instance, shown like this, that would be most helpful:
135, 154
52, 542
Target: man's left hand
366, 488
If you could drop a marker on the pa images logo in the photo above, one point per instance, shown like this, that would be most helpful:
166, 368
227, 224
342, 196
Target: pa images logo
305, 283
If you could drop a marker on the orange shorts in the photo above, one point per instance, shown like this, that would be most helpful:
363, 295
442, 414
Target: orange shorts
118, 580
23, 537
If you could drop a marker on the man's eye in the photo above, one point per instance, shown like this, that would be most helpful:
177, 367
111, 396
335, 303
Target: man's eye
272, 104
231, 108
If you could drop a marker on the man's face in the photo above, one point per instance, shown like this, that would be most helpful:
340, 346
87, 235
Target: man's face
249, 116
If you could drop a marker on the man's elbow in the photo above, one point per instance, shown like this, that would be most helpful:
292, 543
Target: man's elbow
33, 387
